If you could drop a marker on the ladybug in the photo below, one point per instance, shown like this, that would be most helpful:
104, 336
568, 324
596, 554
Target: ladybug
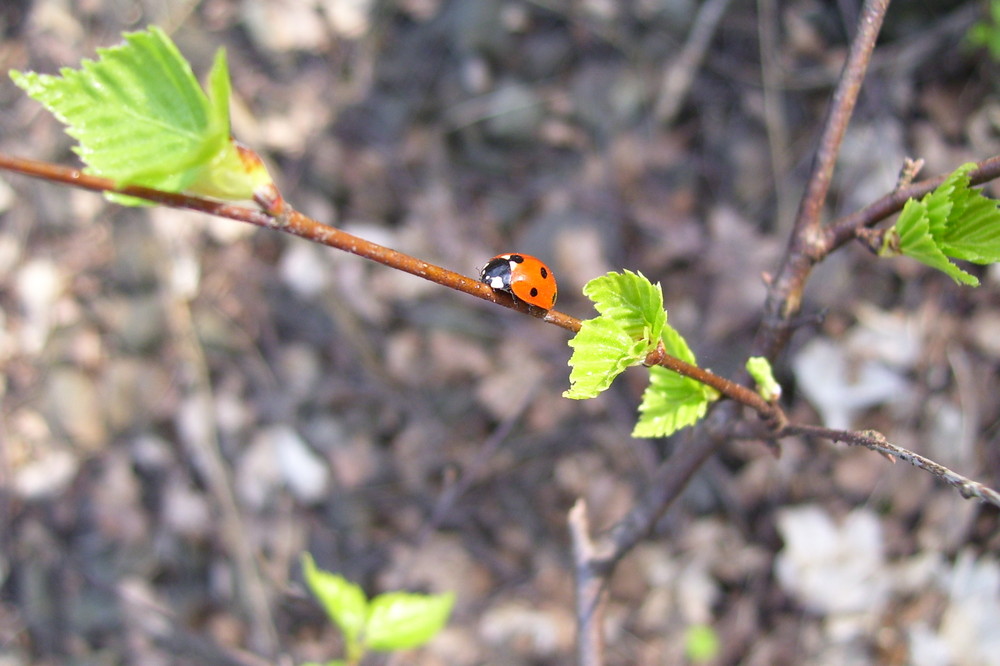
522, 276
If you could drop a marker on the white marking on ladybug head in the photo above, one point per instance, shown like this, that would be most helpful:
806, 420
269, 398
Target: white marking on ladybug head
495, 282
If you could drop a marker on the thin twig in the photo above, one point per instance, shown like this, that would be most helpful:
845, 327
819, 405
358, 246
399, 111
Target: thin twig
775, 123
679, 75
844, 229
783, 298
842, 105
293, 222
290, 221
203, 445
806, 243
669, 481
876, 441
678, 471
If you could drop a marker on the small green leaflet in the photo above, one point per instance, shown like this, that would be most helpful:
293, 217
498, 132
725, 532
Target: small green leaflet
952, 222
972, 230
390, 621
630, 300
767, 386
344, 602
701, 643
627, 330
672, 401
987, 32
631, 325
401, 620
142, 119
602, 350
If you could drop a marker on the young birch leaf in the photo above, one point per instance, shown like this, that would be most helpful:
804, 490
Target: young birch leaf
915, 240
670, 402
954, 221
401, 620
632, 301
939, 205
234, 172
602, 350
628, 328
342, 600
138, 112
972, 231
142, 119
767, 386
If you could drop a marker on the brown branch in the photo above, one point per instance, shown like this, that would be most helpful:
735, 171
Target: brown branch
292, 222
846, 228
783, 301
806, 243
295, 223
876, 441
669, 481
726, 387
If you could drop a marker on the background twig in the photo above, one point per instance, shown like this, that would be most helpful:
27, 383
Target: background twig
785, 290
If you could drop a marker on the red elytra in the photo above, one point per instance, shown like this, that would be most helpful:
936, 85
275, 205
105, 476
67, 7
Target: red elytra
525, 277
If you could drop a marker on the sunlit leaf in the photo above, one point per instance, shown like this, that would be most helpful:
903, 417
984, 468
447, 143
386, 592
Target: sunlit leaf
767, 386
916, 241
701, 643
632, 301
671, 402
342, 600
602, 350
141, 118
402, 620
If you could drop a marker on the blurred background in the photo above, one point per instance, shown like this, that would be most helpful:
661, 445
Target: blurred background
189, 404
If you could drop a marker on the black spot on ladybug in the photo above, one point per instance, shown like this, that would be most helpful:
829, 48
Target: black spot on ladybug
545, 273
517, 259
534, 291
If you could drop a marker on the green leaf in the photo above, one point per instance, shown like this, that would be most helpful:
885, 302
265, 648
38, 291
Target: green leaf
402, 620
916, 241
972, 231
701, 643
632, 301
987, 33
342, 600
955, 221
142, 119
760, 369
628, 329
602, 350
671, 402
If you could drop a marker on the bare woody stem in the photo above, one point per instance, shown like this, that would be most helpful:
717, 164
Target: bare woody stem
846, 228
806, 242
295, 223
876, 441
